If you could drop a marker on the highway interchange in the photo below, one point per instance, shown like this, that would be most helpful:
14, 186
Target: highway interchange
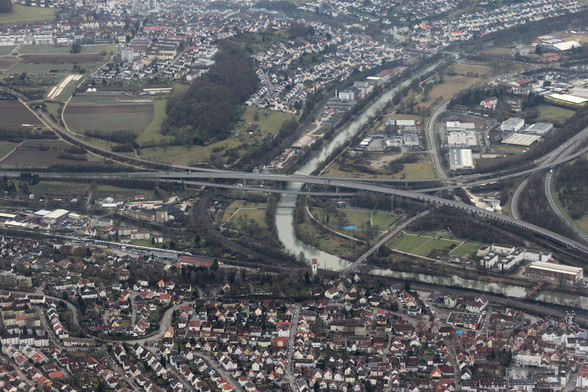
191, 175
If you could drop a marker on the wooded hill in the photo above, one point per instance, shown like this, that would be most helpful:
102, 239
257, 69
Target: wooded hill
208, 110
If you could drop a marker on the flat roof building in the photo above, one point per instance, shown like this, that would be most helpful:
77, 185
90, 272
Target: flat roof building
512, 124
553, 272
568, 99
460, 158
539, 129
521, 139
462, 139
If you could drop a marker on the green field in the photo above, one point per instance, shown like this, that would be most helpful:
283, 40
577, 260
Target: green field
22, 14
268, 124
98, 191
5, 50
58, 188
268, 120
95, 49
44, 49
425, 244
5, 148
509, 149
240, 212
101, 191
583, 222
421, 169
152, 134
383, 219
554, 114
49, 68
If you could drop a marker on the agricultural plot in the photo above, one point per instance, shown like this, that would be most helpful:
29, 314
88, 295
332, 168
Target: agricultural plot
6, 50
43, 49
59, 89
109, 114
5, 148
52, 61
7, 62
22, 14
43, 154
14, 114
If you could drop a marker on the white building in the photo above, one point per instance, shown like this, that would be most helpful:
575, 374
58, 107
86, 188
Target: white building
512, 125
460, 158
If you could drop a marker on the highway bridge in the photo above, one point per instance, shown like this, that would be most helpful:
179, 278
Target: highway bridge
339, 183
188, 174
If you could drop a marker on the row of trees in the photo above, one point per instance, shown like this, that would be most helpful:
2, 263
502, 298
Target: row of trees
209, 109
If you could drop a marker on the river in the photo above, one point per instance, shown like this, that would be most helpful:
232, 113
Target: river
285, 208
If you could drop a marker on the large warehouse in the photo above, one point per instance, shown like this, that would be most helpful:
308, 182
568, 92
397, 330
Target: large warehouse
555, 273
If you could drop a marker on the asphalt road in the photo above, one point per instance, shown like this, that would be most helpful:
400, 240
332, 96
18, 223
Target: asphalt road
554, 156
432, 140
557, 210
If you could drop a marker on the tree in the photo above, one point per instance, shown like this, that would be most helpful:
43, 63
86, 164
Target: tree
5, 6
76, 48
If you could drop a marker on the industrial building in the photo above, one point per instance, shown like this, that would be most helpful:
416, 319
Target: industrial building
539, 129
521, 139
514, 124
460, 158
555, 273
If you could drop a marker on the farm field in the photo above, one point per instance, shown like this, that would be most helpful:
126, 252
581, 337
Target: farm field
50, 68
423, 245
7, 62
5, 148
6, 50
240, 212
22, 14
108, 114
45, 153
58, 188
43, 49
98, 191
14, 114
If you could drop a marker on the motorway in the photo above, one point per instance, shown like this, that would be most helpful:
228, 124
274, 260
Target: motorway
558, 212
556, 156
432, 140
550, 161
